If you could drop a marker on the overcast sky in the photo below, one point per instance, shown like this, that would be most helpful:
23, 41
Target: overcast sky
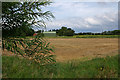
83, 16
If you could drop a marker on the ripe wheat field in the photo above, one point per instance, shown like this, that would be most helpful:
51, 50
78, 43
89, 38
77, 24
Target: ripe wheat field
83, 48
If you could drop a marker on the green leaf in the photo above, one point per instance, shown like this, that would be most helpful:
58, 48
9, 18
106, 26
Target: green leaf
20, 51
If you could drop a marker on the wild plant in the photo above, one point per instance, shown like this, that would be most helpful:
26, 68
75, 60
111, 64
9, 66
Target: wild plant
37, 49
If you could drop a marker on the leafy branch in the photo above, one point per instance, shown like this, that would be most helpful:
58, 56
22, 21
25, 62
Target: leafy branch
36, 49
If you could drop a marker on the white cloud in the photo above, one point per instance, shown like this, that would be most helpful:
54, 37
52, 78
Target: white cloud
108, 18
92, 21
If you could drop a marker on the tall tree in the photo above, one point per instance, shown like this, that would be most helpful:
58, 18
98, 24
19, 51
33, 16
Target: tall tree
64, 31
18, 17
23, 14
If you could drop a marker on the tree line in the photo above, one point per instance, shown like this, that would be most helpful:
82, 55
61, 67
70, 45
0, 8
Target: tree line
114, 32
64, 31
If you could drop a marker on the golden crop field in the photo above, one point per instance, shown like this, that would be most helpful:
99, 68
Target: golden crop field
83, 48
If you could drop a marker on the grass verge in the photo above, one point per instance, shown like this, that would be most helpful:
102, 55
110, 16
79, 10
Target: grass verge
15, 67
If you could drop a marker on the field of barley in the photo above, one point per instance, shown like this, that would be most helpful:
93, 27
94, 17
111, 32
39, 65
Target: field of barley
83, 48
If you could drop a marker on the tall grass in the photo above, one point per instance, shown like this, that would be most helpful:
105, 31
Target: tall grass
15, 67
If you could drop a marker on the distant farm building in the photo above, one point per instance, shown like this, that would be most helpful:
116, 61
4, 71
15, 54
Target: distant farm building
35, 34
50, 34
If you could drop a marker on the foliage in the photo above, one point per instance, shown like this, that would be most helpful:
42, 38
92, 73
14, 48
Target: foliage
40, 31
30, 32
114, 32
15, 67
36, 49
18, 18
23, 15
64, 31
18, 32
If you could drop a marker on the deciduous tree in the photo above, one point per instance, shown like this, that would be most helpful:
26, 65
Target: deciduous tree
23, 14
